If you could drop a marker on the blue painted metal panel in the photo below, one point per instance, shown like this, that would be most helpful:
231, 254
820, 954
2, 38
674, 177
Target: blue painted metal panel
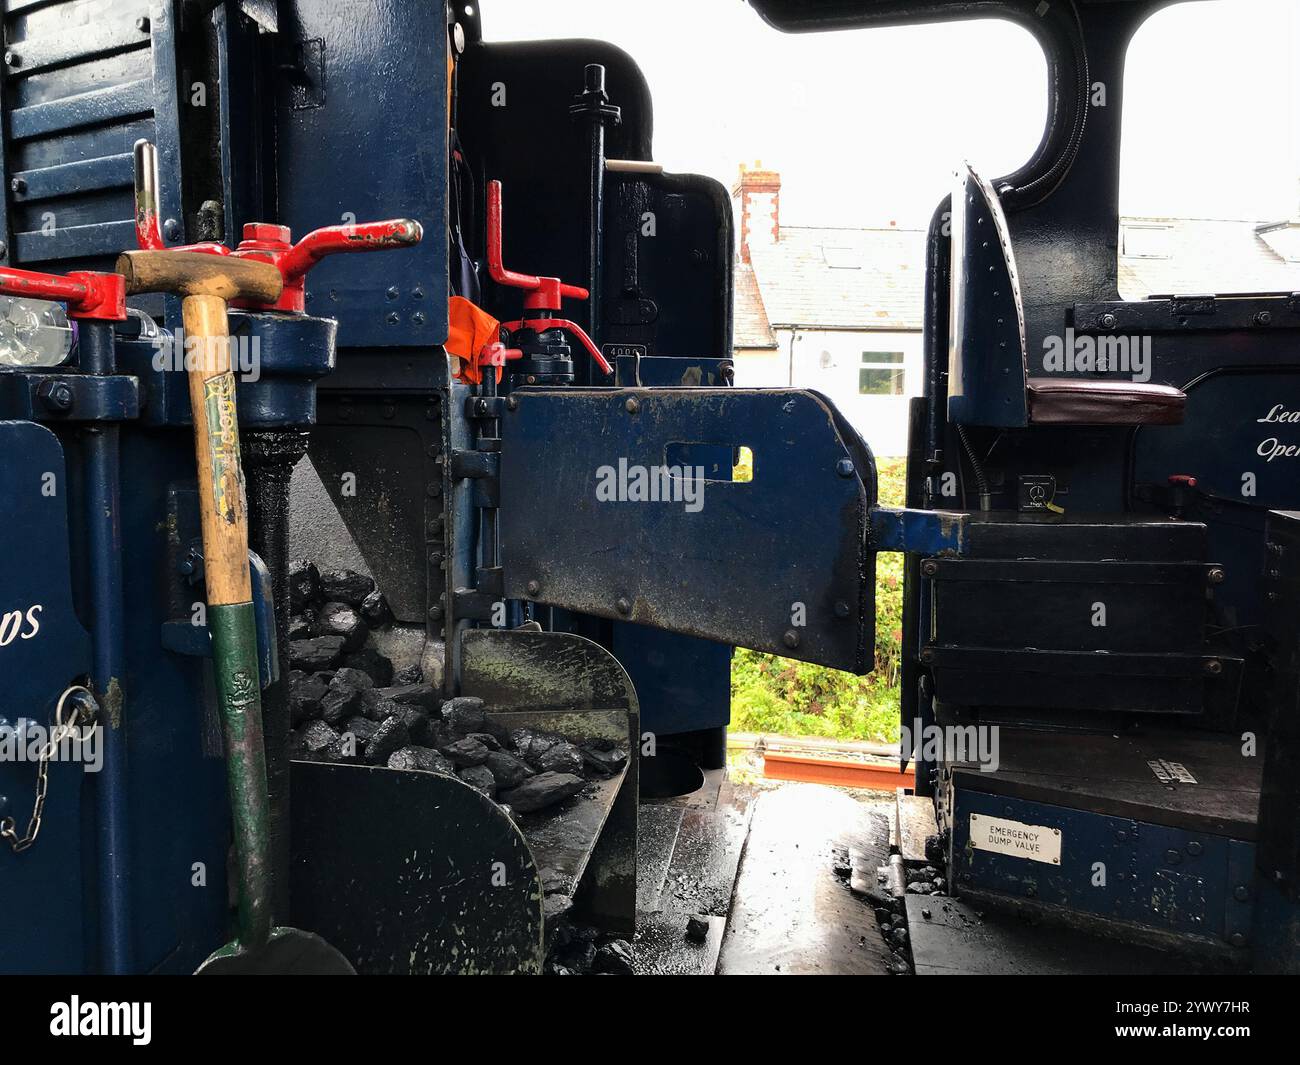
1168, 878
87, 81
986, 338
925, 532
366, 139
744, 567
51, 648
43, 649
682, 683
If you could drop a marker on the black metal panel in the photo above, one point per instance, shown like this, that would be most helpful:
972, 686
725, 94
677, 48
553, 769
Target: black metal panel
668, 265
1279, 802
745, 567
412, 873
362, 135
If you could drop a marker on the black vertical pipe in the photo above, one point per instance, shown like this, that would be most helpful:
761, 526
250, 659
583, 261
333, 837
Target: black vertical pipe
104, 532
593, 105
269, 459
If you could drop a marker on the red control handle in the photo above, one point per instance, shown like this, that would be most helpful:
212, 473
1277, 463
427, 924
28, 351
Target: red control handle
544, 293
268, 242
333, 240
271, 243
538, 324
100, 297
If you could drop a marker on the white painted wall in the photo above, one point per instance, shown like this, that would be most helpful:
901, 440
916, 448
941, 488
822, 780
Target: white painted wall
882, 420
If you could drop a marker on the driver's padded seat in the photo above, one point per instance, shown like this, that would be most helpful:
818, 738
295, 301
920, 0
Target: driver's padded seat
988, 360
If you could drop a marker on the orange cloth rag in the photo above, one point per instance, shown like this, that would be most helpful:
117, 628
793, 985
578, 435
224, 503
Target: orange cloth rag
471, 329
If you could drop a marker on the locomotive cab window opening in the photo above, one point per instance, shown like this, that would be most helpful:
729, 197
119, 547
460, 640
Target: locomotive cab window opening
1211, 214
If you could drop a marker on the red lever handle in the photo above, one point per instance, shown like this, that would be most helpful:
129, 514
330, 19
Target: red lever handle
269, 242
333, 240
539, 324
99, 297
544, 293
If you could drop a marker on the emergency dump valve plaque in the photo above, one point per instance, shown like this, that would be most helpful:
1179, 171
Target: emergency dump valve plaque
1038, 843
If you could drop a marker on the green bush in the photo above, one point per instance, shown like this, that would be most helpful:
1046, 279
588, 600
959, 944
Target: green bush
779, 695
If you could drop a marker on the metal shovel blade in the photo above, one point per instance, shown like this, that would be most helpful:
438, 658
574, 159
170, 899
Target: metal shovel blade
289, 952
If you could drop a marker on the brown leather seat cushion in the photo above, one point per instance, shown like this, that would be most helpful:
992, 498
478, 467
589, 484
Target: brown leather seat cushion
1079, 401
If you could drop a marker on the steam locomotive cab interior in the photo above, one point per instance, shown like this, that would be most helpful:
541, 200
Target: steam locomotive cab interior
449, 551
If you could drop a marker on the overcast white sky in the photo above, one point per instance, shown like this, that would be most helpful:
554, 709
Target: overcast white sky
865, 126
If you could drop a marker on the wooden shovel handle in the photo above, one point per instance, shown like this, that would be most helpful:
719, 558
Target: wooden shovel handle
222, 501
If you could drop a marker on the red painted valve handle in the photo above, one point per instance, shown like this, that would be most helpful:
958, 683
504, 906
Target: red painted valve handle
269, 242
91, 296
333, 240
539, 324
544, 293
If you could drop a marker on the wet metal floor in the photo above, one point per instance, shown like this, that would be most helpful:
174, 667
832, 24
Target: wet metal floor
756, 864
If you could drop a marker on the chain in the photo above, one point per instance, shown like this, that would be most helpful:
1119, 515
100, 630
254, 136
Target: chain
61, 729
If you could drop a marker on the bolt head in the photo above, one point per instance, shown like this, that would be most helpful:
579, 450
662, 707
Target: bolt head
1264, 318
12, 59
841, 608
18, 185
533, 588
1194, 849
929, 567
56, 395
623, 606
844, 467
1172, 857
267, 233
1214, 667
1106, 321
1241, 893
171, 229
142, 24
790, 639
632, 406
512, 403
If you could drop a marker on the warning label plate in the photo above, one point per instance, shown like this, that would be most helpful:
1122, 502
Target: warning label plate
1038, 843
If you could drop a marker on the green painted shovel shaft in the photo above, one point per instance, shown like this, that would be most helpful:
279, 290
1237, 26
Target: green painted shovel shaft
234, 656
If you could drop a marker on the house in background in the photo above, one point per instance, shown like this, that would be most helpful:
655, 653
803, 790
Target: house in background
840, 310
835, 310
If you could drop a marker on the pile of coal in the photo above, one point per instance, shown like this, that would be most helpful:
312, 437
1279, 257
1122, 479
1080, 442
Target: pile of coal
344, 715
579, 950
331, 618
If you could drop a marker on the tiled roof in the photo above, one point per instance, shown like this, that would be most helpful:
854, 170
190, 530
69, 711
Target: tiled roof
752, 329
875, 278
1202, 252
841, 278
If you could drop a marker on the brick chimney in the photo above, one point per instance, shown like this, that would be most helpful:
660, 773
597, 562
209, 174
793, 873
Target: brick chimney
757, 193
